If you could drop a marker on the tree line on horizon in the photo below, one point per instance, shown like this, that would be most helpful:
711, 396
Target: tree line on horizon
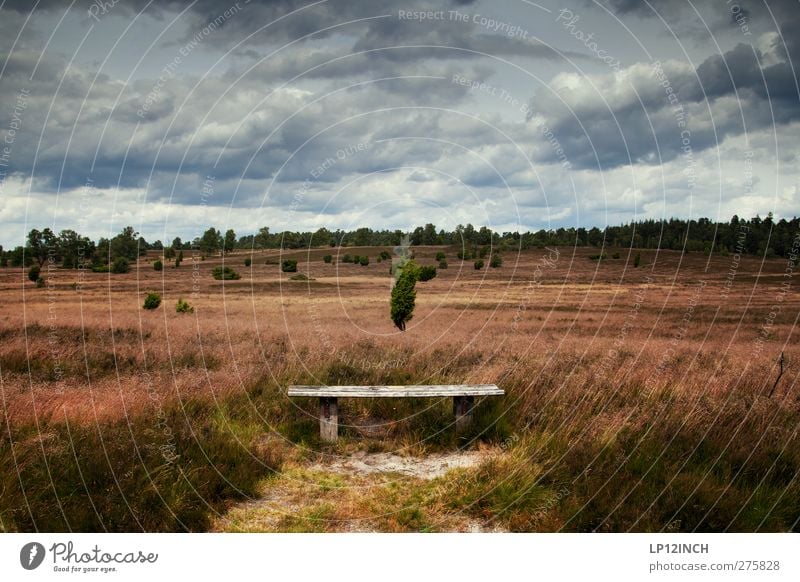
758, 236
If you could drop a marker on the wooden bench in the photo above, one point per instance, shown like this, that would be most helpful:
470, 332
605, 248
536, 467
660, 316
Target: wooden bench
463, 400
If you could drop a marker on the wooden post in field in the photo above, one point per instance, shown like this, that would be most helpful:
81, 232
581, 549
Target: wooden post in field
462, 409
328, 419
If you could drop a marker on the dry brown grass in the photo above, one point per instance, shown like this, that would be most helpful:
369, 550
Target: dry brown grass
586, 350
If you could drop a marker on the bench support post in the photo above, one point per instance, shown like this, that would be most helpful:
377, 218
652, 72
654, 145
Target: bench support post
328, 419
462, 409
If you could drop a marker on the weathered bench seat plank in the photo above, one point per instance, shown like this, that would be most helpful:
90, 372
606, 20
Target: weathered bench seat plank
421, 391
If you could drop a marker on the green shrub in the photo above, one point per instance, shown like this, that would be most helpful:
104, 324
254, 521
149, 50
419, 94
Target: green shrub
120, 266
403, 298
385, 255
152, 301
426, 273
478, 265
33, 274
442, 264
248, 261
224, 274
496, 261
615, 256
364, 261
40, 282
440, 256
483, 252
301, 277
347, 259
637, 260
599, 257
158, 266
289, 266
328, 258
465, 255
100, 269
183, 307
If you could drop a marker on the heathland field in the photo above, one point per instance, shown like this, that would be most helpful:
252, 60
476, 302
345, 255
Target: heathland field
637, 398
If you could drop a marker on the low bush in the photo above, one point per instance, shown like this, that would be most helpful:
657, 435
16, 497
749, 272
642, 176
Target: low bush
496, 261
385, 255
599, 257
248, 261
478, 265
426, 273
152, 301
224, 274
363, 261
440, 256
347, 259
183, 307
442, 264
120, 266
328, 258
158, 266
289, 266
40, 282
33, 274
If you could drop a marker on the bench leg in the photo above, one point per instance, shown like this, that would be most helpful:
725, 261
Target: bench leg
462, 409
328, 419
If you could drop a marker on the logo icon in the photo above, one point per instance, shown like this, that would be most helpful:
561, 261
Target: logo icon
31, 555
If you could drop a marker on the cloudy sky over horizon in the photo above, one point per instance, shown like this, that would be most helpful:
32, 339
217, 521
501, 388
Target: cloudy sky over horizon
175, 116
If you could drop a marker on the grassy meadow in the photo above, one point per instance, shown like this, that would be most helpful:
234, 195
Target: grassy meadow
637, 398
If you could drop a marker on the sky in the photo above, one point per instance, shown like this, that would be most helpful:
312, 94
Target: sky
512, 114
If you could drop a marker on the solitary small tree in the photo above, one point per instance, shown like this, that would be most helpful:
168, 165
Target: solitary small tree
403, 298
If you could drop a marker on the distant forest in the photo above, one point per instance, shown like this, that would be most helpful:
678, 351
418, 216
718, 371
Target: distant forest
759, 236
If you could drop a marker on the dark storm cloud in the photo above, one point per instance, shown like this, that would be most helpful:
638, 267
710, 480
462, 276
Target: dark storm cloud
727, 94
